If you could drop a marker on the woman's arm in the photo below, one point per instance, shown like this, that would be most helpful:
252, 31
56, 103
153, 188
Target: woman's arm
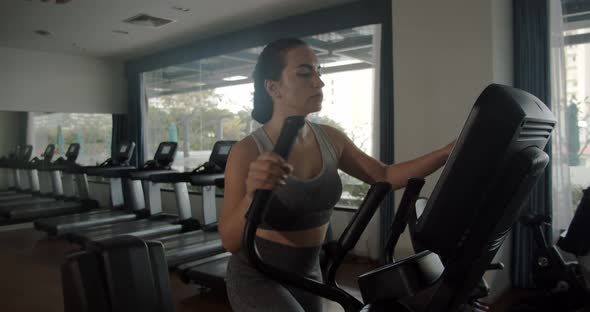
370, 170
246, 171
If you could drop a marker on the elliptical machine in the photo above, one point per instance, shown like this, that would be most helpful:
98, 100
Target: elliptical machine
477, 199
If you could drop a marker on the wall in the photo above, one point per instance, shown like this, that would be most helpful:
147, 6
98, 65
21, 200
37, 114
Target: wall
12, 132
47, 82
445, 54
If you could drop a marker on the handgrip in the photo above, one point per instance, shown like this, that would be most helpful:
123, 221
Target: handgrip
283, 147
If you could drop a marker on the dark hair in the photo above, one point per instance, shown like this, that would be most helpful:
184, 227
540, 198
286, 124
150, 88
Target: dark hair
269, 67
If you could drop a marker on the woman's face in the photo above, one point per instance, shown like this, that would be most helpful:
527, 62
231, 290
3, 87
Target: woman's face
299, 92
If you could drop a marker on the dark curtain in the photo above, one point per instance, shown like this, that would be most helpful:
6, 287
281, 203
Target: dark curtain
386, 119
532, 74
120, 132
135, 117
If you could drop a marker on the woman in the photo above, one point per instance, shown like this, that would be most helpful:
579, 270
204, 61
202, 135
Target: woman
286, 83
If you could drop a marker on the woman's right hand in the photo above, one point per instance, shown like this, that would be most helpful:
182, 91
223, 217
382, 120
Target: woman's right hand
267, 172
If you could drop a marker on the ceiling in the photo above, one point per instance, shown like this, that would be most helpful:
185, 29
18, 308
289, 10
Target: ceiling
96, 28
337, 51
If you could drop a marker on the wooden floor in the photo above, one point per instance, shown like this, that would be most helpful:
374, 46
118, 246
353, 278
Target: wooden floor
30, 277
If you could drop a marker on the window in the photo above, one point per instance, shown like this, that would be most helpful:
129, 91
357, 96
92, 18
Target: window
206, 100
571, 147
91, 131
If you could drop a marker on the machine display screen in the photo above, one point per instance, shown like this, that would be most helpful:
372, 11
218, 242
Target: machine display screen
165, 149
123, 149
224, 150
71, 149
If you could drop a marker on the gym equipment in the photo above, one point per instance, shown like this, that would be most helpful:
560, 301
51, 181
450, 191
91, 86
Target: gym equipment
196, 244
10, 166
121, 274
494, 165
146, 202
119, 212
36, 179
564, 283
74, 190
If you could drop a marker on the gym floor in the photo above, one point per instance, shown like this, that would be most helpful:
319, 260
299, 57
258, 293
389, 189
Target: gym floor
30, 277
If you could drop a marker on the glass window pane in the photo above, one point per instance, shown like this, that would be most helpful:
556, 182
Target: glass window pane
91, 131
201, 102
575, 139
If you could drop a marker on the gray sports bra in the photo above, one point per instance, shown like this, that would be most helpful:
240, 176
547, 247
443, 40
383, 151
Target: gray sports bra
303, 203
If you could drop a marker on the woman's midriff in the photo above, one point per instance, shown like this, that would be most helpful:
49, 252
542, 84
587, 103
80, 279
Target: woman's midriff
305, 238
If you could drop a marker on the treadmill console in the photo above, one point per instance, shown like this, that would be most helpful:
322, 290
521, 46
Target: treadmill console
49, 152
26, 152
124, 153
220, 153
73, 151
165, 154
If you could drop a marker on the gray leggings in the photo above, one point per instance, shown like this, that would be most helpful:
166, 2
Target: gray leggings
249, 290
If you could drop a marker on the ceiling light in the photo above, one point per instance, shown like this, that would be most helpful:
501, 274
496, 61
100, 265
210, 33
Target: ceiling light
42, 32
76, 45
148, 21
56, 1
177, 8
234, 78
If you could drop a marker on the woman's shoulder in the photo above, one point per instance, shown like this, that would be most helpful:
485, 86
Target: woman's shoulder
335, 135
245, 149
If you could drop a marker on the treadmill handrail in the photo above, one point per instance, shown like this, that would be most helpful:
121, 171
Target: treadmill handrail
146, 173
93, 169
194, 178
110, 172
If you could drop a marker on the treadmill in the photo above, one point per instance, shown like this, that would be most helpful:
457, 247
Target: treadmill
71, 187
119, 212
154, 222
11, 167
6, 175
31, 172
205, 242
6, 165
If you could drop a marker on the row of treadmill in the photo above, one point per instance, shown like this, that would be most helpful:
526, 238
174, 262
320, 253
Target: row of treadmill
53, 194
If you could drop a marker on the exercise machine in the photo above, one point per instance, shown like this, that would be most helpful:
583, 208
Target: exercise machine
119, 212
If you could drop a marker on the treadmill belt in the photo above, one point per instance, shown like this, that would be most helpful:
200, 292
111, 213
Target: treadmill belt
25, 202
67, 223
7, 192
17, 196
141, 228
44, 210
